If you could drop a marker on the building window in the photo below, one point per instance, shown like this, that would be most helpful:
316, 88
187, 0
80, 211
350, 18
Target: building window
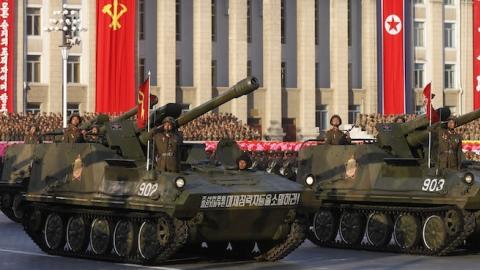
214, 21
249, 21
418, 72
449, 35
141, 68
178, 20
214, 72
249, 68
321, 117
417, 2
33, 68
316, 22
178, 71
33, 21
419, 109
33, 108
141, 16
72, 108
283, 74
353, 113
73, 69
317, 81
418, 34
282, 21
449, 76
448, 2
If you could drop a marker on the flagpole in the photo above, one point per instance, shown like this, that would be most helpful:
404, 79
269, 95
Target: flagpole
430, 130
148, 123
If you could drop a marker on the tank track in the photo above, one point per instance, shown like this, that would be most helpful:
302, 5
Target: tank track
452, 242
294, 239
174, 244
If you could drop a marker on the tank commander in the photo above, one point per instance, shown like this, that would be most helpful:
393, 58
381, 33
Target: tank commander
93, 136
32, 136
449, 146
167, 144
244, 162
72, 133
335, 136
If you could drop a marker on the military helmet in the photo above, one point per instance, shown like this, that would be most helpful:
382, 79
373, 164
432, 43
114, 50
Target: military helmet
452, 118
336, 116
169, 119
245, 157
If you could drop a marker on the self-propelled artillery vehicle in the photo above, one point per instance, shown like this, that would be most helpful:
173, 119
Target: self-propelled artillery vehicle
99, 201
384, 195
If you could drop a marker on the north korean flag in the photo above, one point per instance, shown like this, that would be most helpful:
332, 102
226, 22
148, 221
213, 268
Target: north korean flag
393, 56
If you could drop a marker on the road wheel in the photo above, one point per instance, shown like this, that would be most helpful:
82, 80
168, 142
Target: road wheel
54, 232
379, 229
434, 233
406, 231
352, 227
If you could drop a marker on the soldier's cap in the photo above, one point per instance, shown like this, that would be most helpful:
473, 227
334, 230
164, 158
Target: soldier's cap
245, 157
73, 116
169, 119
335, 116
452, 118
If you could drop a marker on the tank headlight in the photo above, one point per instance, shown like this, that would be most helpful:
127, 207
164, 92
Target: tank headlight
180, 182
468, 178
310, 180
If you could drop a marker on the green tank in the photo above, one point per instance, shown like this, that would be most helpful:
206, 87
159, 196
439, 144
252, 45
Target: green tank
383, 195
98, 201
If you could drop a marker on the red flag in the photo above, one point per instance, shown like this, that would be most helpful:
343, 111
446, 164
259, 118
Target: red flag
427, 93
143, 100
393, 57
115, 72
476, 54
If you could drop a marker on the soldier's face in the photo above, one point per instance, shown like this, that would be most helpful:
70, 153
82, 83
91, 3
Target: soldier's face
335, 122
242, 165
451, 124
167, 126
75, 121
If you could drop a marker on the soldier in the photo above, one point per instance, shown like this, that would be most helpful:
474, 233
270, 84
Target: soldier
334, 135
32, 136
244, 162
449, 146
93, 136
399, 119
167, 143
73, 134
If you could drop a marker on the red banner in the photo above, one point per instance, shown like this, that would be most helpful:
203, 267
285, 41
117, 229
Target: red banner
476, 54
7, 41
393, 57
115, 72
143, 100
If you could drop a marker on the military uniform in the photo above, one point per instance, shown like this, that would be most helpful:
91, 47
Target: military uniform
336, 137
167, 145
449, 149
72, 134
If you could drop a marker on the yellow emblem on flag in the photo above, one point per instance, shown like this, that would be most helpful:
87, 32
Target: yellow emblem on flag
114, 13
141, 98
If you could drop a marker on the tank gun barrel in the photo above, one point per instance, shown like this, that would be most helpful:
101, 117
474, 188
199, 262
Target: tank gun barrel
243, 87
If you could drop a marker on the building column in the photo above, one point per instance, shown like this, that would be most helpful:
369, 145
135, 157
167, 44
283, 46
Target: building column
369, 55
435, 49
272, 60
339, 57
20, 80
91, 54
237, 52
306, 68
202, 50
466, 56
166, 51
54, 69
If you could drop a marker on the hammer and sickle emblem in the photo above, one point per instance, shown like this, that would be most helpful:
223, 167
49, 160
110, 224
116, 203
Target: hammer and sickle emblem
114, 14
141, 98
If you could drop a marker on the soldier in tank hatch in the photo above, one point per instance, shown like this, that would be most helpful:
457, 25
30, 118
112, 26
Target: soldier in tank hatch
334, 135
73, 134
449, 146
244, 162
167, 144
32, 136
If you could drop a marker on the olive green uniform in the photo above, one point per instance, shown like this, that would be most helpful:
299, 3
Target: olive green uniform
167, 145
449, 149
71, 134
336, 137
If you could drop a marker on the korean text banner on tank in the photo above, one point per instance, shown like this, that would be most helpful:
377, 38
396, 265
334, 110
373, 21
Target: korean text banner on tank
7, 41
393, 56
115, 72
476, 54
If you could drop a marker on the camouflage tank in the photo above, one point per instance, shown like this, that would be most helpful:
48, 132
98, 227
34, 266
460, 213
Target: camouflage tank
383, 195
98, 201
